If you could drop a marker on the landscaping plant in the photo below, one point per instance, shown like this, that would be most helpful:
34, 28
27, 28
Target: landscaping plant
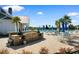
43, 50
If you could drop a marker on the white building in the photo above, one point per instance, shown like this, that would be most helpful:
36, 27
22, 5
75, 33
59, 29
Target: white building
25, 22
6, 24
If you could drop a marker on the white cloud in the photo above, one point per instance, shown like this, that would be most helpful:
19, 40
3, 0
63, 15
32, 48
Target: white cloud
74, 21
76, 14
15, 8
39, 13
73, 14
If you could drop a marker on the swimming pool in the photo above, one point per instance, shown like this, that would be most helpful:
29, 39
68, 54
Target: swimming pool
52, 30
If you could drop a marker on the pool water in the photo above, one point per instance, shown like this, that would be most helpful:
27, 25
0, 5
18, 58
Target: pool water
52, 30
47, 30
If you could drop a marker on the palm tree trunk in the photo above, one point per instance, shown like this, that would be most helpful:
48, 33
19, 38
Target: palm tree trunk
59, 29
17, 27
20, 27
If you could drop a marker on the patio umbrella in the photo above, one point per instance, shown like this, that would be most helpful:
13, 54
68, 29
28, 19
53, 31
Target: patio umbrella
63, 27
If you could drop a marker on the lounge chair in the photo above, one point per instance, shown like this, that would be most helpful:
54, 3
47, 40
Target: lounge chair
64, 36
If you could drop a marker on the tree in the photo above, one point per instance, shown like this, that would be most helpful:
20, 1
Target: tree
65, 20
62, 24
77, 27
43, 27
57, 23
71, 27
47, 27
16, 20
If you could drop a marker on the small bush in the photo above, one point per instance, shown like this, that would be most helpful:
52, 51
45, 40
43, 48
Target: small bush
4, 51
62, 41
43, 50
76, 47
65, 50
26, 52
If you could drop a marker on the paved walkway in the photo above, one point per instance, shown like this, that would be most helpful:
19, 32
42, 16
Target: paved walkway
51, 42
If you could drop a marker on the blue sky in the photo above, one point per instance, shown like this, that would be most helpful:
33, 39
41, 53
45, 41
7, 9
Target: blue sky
47, 14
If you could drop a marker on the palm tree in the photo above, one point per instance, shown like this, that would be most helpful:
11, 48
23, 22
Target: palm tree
16, 20
43, 27
62, 21
49, 26
57, 23
65, 20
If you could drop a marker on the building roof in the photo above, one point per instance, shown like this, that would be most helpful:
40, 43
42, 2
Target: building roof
4, 14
